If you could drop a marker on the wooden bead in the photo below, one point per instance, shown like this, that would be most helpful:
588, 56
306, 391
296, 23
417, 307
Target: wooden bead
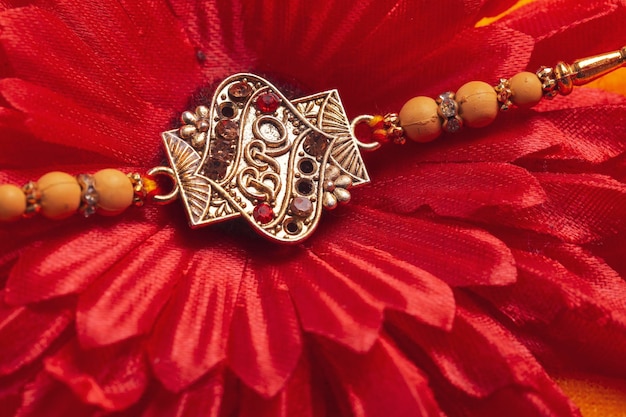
60, 195
12, 202
478, 104
526, 89
115, 191
419, 119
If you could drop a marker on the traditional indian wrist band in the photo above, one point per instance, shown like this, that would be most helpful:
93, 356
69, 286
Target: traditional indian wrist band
253, 153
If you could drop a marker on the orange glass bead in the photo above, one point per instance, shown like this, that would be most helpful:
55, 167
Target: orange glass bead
377, 122
380, 135
12, 202
150, 185
115, 191
60, 195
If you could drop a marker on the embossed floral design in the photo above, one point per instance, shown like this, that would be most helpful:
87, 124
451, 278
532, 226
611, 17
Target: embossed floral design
335, 188
468, 273
196, 125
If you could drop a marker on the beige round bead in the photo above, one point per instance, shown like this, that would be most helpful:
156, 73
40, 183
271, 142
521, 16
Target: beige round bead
419, 119
478, 104
12, 202
526, 89
60, 195
115, 191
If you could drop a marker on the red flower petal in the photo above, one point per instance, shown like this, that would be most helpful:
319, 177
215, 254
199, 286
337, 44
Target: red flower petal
27, 332
355, 379
58, 265
21, 151
484, 360
220, 45
546, 289
512, 136
65, 73
471, 53
265, 343
25, 154
595, 142
84, 127
191, 335
576, 304
455, 189
331, 304
395, 283
462, 353
593, 270
298, 398
46, 396
495, 7
99, 99
125, 301
100, 65
207, 398
580, 208
113, 377
12, 387
10, 404
568, 32
478, 258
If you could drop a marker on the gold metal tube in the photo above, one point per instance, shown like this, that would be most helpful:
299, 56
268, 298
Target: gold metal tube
588, 69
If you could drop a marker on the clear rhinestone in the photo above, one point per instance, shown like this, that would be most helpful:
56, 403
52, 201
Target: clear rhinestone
453, 125
301, 206
448, 107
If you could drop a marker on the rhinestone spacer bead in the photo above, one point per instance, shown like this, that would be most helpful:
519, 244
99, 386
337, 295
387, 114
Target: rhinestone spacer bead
88, 196
503, 90
449, 111
33, 199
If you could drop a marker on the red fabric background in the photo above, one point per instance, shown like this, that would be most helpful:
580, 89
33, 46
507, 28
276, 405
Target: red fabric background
449, 286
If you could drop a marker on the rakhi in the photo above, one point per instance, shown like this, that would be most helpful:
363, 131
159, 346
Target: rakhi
278, 163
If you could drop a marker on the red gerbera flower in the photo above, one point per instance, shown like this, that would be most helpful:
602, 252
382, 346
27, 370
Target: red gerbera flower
446, 287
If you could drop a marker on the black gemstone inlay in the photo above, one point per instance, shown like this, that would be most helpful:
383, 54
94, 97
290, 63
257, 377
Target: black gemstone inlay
228, 110
304, 186
306, 166
291, 227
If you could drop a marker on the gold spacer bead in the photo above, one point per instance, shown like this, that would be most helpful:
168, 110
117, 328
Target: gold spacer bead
139, 191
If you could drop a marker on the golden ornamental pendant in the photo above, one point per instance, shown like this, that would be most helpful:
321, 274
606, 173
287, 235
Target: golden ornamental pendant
255, 154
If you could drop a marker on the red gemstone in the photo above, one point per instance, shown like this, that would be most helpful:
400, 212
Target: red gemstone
263, 213
268, 102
